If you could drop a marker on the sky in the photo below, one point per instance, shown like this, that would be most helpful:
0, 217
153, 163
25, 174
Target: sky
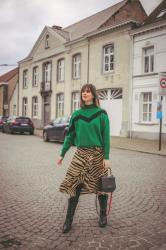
22, 22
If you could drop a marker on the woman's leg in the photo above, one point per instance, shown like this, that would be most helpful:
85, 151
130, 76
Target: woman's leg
103, 209
72, 204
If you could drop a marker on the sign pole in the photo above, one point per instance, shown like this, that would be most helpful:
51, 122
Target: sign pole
160, 127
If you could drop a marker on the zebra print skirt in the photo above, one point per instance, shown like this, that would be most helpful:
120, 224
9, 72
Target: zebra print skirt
86, 168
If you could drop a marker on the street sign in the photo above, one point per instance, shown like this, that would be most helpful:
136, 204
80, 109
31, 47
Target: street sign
159, 115
162, 84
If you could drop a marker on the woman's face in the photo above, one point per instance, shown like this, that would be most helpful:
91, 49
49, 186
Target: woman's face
87, 96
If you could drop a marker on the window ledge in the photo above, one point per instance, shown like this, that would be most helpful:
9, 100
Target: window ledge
146, 123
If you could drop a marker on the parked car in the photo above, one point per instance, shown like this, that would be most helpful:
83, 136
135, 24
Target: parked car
2, 120
19, 124
57, 129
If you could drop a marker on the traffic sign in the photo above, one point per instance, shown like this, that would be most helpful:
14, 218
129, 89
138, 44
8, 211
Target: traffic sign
162, 84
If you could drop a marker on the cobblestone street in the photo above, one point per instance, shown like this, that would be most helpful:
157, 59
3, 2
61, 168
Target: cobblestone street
32, 210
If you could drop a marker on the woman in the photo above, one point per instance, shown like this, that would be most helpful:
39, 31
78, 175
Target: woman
89, 131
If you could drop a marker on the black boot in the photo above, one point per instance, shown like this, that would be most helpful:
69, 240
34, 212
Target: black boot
72, 204
103, 210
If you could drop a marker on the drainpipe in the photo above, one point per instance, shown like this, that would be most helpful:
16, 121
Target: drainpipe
131, 85
18, 91
88, 61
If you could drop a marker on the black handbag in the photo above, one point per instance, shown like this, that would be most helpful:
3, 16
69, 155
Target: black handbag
108, 183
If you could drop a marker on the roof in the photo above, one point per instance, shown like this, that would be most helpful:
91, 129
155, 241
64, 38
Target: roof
9, 75
158, 14
93, 22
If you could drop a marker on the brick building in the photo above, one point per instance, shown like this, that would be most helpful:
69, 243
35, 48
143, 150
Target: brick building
8, 91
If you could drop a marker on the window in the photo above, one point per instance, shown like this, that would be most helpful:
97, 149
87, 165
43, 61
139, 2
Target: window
47, 76
61, 67
76, 66
25, 106
34, 106
35, 76
108, 57
47, 41
60, 105
75, 101
148, 59
25, 79
146, 107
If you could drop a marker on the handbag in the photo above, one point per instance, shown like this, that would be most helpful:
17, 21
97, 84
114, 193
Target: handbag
108, 183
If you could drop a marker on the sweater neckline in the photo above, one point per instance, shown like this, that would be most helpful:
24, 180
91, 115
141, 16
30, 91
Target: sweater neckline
89, 106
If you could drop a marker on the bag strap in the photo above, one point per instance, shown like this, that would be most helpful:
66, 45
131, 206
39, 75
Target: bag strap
109, 207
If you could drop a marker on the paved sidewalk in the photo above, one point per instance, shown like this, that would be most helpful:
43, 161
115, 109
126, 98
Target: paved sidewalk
140, 145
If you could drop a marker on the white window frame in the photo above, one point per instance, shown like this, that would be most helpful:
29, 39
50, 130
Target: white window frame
146, 107
75, 101
47, 72
34, 106
108, 58
61, 70
60, 104
76, 70
35, 76
148, 60
25, 79
25, 106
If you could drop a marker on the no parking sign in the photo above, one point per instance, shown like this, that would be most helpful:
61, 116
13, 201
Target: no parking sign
162, 85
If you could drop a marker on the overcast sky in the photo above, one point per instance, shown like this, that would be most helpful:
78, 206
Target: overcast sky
22, 21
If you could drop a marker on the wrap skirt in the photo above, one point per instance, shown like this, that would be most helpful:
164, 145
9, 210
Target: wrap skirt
86, 168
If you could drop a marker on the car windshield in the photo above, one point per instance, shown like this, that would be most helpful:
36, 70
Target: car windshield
57, 120
65, 119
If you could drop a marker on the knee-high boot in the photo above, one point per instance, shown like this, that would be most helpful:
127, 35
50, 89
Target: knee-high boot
103, 210
72, 204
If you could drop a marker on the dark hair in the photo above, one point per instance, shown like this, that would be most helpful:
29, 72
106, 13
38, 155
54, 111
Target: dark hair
92, 89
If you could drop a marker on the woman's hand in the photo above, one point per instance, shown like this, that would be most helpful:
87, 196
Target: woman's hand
59, 161
106, 164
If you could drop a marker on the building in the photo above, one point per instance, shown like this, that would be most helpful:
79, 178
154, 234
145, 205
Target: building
149, 66
96, 50
9, 93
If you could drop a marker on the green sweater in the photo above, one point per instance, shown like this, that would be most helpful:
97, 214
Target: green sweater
89, 127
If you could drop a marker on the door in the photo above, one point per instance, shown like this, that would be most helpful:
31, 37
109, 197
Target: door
46, 113
111, 101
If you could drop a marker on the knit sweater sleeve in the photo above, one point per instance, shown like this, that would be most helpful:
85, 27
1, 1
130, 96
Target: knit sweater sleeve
69, 139
106, 136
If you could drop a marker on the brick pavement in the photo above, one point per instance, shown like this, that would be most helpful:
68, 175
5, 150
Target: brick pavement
32, 209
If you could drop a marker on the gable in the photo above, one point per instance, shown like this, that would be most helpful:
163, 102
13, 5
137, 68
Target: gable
132, 10
55, 42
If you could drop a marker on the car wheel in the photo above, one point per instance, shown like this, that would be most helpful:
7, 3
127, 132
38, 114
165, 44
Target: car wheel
45, 136
32, 133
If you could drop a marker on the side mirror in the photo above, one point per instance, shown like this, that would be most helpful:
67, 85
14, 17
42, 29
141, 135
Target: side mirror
51, 123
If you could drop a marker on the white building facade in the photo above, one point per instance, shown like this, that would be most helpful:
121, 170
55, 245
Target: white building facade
149, 66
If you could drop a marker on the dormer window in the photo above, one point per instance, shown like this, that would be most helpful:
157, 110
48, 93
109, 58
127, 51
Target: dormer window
47, 42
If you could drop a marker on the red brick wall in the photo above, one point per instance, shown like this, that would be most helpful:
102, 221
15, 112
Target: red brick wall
131, 10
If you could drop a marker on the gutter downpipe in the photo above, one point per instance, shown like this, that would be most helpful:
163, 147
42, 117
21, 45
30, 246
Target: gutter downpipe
88, 61
131, 84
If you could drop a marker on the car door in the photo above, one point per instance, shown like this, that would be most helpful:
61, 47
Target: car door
61, 128
53, 128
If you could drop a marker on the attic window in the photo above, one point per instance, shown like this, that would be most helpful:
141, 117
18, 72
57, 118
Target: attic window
161, 13
47, 42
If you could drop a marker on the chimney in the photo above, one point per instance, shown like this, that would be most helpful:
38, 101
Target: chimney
56, 27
